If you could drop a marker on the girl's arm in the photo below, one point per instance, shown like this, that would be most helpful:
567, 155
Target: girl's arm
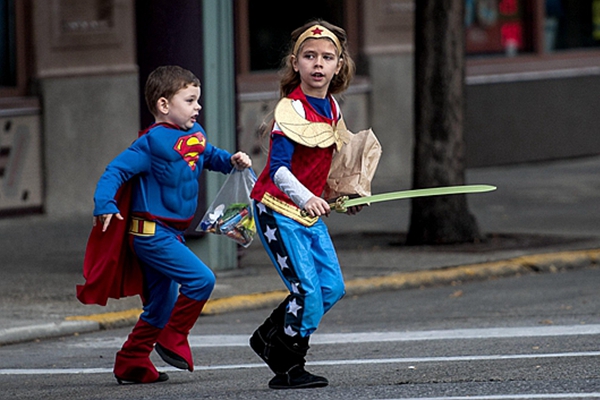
282, 150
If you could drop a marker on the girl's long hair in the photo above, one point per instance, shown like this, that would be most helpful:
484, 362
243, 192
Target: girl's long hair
290, 79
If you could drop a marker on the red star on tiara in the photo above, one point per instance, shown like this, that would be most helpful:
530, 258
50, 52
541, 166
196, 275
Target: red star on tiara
317, 31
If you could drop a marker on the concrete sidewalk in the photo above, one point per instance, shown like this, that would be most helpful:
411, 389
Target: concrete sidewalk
543, 218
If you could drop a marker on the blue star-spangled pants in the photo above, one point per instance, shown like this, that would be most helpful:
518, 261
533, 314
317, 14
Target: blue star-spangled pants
308, 265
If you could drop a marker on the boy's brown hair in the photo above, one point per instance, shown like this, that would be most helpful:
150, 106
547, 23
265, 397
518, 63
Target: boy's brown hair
164, 82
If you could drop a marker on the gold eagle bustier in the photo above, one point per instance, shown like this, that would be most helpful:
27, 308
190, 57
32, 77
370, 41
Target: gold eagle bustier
307, 133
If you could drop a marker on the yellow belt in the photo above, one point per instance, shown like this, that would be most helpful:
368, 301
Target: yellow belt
288, 210
141, 227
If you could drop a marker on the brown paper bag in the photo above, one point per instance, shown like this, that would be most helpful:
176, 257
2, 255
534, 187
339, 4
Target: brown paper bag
353, 167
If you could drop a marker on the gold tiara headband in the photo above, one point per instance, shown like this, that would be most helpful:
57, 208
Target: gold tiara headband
317, 32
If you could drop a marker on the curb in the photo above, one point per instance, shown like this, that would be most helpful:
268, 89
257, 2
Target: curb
539, 263
45, 331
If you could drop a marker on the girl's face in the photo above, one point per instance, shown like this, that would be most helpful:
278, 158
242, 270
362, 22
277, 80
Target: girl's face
317, 62
183, 109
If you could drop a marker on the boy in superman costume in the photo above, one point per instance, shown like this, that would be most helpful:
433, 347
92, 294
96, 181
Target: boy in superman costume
160, 170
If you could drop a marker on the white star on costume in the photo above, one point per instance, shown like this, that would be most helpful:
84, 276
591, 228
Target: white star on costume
282, 261
270, 234
294, 307
295, 289
289, 331
261, 208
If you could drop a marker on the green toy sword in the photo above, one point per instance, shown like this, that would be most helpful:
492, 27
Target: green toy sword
342, 203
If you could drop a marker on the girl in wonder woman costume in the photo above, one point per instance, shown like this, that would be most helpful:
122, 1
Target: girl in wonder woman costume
308, 128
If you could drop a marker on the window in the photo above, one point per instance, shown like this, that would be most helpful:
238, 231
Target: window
497, 26
272, 21
8, 55
13, 69
511, 27
263, 28
572, 24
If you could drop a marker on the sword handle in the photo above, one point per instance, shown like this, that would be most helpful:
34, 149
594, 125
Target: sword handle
339, 204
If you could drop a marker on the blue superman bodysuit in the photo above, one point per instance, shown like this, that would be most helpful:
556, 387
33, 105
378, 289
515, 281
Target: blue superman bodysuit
163, 167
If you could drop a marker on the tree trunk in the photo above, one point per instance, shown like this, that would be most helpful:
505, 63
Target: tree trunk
439, 115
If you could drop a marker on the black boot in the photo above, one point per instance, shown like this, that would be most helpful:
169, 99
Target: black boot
284, 354
288, 360
261, 339
297, 378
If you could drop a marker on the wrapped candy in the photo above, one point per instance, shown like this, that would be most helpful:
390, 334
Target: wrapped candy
236, 222
231, 213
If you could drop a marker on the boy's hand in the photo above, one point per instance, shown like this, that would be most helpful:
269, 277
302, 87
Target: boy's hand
241, 160
104, 219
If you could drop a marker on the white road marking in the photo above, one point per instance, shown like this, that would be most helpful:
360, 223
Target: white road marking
493, 357
513, 397
405, 360
372, 337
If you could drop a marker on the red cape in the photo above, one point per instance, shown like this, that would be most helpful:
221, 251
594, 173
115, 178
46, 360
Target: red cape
110, 267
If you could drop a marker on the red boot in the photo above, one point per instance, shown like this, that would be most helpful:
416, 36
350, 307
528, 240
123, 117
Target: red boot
172, 344
133, 363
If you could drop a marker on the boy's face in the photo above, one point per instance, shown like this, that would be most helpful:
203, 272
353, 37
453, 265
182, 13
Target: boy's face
183, 109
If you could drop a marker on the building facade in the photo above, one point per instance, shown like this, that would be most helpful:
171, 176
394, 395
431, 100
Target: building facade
71, 73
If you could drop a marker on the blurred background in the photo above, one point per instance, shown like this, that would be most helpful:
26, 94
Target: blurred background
72, 74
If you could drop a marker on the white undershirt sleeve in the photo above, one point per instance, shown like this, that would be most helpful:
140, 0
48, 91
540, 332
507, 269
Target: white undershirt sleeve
291, 186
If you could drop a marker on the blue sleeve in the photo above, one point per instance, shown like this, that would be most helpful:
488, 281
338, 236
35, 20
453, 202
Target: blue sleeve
216, 159
132, 161
282, 150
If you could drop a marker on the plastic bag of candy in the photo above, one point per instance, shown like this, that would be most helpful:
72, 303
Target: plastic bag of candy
230, 213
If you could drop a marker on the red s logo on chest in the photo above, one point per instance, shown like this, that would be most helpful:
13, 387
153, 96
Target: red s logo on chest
190, 147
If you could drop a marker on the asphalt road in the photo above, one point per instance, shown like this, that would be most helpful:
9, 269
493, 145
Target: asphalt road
524, 337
